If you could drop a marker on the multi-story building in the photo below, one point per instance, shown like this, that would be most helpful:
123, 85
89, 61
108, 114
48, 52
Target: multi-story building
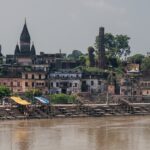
13, 83
35, 80
94, 82
145, 84
145, 87
65, 82
129, 86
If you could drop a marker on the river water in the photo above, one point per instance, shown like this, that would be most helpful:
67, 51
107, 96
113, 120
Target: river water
107, 133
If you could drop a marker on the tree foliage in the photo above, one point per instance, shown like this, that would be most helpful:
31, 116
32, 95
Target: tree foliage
33, 92
91, 56
62, 99
137, 58
122, 45
4, 91
75, 55
146, 64
82, 60
116, 46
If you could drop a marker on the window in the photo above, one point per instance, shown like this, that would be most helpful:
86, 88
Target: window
39, 76
26, 84
92, 82
65, 84
57, 84
147, 92
26, 76
70, 84
145, 84
51, 84
75, 84
32, 76
99, 82
18, 83
134, 92
45, 76
32, 84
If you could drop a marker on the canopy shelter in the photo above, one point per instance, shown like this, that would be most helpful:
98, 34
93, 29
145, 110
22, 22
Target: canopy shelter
19, 100
42, 100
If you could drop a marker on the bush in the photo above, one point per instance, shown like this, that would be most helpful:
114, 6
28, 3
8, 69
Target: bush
62, 99
33, 92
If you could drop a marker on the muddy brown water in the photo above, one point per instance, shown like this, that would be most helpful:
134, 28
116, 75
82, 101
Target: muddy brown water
108, 133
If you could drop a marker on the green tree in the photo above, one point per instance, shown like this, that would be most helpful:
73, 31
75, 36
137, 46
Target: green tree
91, 56
122, 45
146, 64
4, 91
75, 55
113, 62
137, 58
33, 92
82, 60
116, 46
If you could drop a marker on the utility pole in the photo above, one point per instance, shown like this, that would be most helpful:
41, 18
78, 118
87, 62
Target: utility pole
107, 98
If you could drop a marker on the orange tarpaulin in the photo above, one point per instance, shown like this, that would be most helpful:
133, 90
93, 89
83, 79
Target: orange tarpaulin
20, 100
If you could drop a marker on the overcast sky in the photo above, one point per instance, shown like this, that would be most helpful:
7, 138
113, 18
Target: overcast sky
73, 24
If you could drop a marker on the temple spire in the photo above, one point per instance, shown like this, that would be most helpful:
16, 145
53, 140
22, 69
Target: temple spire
25, 36
25, 20
25, 40
33, 51
17, 50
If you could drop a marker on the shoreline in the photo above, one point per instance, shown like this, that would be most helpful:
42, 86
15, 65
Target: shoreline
63, 117
70, 117
15, 112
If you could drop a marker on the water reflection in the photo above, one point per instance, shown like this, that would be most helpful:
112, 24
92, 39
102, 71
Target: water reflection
21, 136
110, 133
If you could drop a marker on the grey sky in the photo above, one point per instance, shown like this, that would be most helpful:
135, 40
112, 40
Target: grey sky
73, 24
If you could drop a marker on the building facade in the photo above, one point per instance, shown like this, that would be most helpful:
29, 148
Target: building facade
65, 82
35, 80
54, 73
13, 83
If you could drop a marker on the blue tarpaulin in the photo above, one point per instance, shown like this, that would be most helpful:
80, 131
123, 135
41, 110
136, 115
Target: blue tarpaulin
42, 100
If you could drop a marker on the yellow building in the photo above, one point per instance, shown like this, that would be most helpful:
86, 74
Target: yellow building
35, 80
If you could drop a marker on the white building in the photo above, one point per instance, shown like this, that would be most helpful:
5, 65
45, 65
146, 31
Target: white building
65, 82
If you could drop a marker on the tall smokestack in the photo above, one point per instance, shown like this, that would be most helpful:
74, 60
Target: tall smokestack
101, 50
1, 50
